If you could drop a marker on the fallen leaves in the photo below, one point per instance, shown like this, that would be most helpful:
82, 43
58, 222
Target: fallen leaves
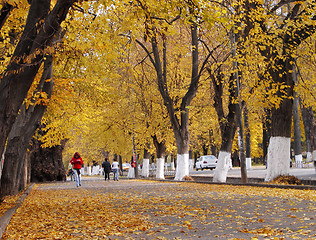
135, 209
8, 202
292, 180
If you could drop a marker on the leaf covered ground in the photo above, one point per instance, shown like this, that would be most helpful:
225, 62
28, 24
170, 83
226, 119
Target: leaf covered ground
136, 209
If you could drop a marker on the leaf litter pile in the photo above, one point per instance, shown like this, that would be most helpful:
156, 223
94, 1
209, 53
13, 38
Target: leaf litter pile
136, 209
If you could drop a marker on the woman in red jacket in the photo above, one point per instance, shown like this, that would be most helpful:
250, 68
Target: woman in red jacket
76, 161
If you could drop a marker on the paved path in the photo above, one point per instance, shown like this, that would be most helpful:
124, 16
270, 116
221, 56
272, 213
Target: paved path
136, 209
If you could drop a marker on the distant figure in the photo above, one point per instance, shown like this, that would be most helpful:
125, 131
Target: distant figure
107, 169
115, 168
71, 172
76, 162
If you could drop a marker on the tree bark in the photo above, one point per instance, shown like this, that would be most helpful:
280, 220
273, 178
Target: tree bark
212, 144
266, 134
281, 118
247, 138
227, 123
18, 77
314, 143
145, 167
47, 164
308, 119
160, 151
21, 133
297, 133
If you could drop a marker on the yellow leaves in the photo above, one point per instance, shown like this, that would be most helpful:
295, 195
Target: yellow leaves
17, 2
266, 232
146, 210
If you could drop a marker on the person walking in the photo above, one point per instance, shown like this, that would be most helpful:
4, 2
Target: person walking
71, 172
115, 168
76, 162
107, 169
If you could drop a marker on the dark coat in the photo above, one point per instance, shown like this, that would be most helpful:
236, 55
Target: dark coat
107, 166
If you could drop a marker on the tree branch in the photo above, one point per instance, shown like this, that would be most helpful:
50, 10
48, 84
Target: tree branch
4, 13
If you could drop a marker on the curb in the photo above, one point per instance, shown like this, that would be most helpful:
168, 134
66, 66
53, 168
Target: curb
6, 218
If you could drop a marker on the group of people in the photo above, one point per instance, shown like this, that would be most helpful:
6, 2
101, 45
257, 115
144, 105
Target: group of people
107, 167
76, 163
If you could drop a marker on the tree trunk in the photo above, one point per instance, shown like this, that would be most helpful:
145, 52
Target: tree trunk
180, 127
21, 133
120, 164
227, 124
18, 77
160, 161
47, 164
25, 176
281, 118
205, 149
212, 144
314, 143
145, 167
247, 139
266, 134
308, 119
297, 133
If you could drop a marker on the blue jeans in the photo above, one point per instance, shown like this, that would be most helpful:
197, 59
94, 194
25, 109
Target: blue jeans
77, 177
115, 174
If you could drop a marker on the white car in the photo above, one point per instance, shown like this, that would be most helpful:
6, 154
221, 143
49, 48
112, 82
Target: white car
206, 162
125, 167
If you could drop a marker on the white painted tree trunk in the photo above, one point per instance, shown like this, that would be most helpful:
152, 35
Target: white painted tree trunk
278, 159
248, 163
314, 155
145, 168
131, 173
221, 170
89, 171
182, 166
299, 161
172, 166
309, 157
160, 168
95, 170
191, 163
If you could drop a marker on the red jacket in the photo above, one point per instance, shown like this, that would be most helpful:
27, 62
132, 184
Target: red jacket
76, 162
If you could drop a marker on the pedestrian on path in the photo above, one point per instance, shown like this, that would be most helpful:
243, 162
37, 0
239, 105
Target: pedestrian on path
107, 169
115, 168
71, 172
76, 161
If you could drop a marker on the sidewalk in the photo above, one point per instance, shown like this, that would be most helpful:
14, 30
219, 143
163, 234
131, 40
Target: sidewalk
256, 174
143, 209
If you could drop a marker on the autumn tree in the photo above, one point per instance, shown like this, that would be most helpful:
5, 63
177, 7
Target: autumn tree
295, 25
41, 27
23, 130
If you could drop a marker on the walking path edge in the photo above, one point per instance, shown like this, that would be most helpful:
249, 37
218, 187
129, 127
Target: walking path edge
5, 219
